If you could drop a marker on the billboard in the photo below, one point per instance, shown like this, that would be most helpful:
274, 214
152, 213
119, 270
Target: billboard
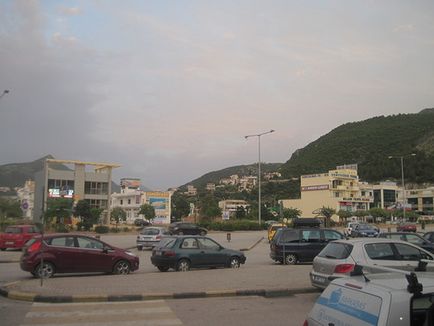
130, 183
160, 200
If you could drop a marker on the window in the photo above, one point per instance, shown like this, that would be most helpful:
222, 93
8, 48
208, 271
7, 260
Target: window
330, 235
208, 244
380, 251
122, 202
336, 251
129, 201
95, 188
189, 243
87, 243
310, 236
13, 230
288, 236
414, 239
62, 242
407, 252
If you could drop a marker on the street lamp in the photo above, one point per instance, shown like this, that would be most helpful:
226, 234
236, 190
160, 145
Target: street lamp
402, 180
259, 168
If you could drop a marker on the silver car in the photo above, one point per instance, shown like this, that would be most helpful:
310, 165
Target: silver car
150, 236
339, 257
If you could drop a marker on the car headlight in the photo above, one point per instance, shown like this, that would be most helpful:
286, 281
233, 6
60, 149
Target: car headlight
363, 233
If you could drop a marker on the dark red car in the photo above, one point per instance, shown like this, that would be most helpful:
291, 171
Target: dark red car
406, 227
75, 253
16, 236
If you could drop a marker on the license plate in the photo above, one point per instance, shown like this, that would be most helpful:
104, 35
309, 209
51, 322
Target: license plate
318, 279
158, 253
9, 242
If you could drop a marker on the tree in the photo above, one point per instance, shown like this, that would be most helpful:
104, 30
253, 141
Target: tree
327, 212
10, 208
58, 210
83, 212
148, 211
343, 215
291, 213
118, 214
180, 206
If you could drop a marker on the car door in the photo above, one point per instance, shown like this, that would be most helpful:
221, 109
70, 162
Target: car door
409, 256
92, 256
382, 254
64, 253
310, 244
212, 253
189, 248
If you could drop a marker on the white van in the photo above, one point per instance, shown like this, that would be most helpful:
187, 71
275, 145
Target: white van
389, 299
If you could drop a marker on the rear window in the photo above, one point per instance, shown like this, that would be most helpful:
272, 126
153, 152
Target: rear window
167, 242
336, 250
150, 232
14, 230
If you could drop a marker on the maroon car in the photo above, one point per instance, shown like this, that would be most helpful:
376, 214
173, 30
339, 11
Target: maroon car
16, 236
406, 227
74, 253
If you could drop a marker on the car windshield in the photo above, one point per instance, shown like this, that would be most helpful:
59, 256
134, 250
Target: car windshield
336, 250
422, 309
365, 227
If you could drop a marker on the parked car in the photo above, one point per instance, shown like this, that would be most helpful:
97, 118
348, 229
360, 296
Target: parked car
184, 252
338, 258
349, 228
272, 230
150, 236
364, 230
74, 253
15, 236
387, 299
291, 246
406, 227
141, 222
429, 236
413, 238
180, 228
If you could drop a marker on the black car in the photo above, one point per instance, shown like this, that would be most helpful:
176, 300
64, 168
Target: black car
141, 222
181, 228
429, 236
413, 238
184, 252
292, 245
364, 230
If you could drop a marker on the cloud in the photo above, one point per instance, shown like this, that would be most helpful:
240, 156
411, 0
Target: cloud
70, 11
405, 28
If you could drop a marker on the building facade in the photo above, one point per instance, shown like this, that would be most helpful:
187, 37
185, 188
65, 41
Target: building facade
230, 206
77, 180
26, 196
421, 200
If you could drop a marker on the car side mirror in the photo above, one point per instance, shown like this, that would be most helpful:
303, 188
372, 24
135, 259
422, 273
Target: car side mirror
105, 249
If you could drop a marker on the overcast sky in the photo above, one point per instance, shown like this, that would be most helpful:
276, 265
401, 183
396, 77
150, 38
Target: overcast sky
169, 89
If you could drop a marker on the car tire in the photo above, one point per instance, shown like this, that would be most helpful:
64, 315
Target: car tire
180, 233
163, 268
183, 265
290, 259
202, 233
46, 270
234, 262
2, 249
122, 267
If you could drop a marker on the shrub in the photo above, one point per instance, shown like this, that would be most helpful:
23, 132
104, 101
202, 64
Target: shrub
126, 229
114, 230
61, 228
101, 229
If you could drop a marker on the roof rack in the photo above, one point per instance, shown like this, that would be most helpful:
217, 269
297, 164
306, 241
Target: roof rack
306, 222
413, 283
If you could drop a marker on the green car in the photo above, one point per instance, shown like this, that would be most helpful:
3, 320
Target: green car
184, 252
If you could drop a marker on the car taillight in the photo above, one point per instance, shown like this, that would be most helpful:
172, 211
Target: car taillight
344, 268
169, 253
305, 323
158, 237
34, 247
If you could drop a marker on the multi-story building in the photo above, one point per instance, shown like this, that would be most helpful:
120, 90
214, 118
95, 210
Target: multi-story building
247, 182
78, 180
230, 206
339, 189
26, 196
129, 198
191, 190
210, 186
421, 200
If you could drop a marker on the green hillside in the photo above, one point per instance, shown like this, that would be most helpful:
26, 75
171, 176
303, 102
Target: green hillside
241, 170
369, 143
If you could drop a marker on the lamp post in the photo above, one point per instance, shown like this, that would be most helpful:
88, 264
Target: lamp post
402, 180
259, 168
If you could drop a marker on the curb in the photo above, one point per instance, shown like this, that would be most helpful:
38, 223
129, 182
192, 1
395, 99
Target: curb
254, 245
33, 297
9, 261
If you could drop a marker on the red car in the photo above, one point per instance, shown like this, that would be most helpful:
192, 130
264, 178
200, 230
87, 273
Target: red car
15, 236
75, 253
406, 227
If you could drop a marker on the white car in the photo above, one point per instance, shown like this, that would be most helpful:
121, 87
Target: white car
389, 299
339, 258
150, 236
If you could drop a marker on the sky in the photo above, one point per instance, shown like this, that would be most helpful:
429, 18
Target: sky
168, 89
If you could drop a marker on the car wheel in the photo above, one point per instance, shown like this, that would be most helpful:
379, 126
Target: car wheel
180, 233
44, 270
235, 262
183, 265
290, 259
163, 268
121, 267
2, 249
202, 233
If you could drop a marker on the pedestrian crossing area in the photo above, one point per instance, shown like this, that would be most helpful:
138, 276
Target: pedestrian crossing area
131, 313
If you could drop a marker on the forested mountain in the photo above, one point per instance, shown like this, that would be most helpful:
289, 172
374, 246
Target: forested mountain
240, 170
369, 144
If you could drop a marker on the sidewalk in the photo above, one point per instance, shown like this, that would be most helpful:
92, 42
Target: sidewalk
259, 276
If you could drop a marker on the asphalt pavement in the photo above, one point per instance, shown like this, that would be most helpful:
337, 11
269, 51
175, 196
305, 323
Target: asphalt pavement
259, 276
